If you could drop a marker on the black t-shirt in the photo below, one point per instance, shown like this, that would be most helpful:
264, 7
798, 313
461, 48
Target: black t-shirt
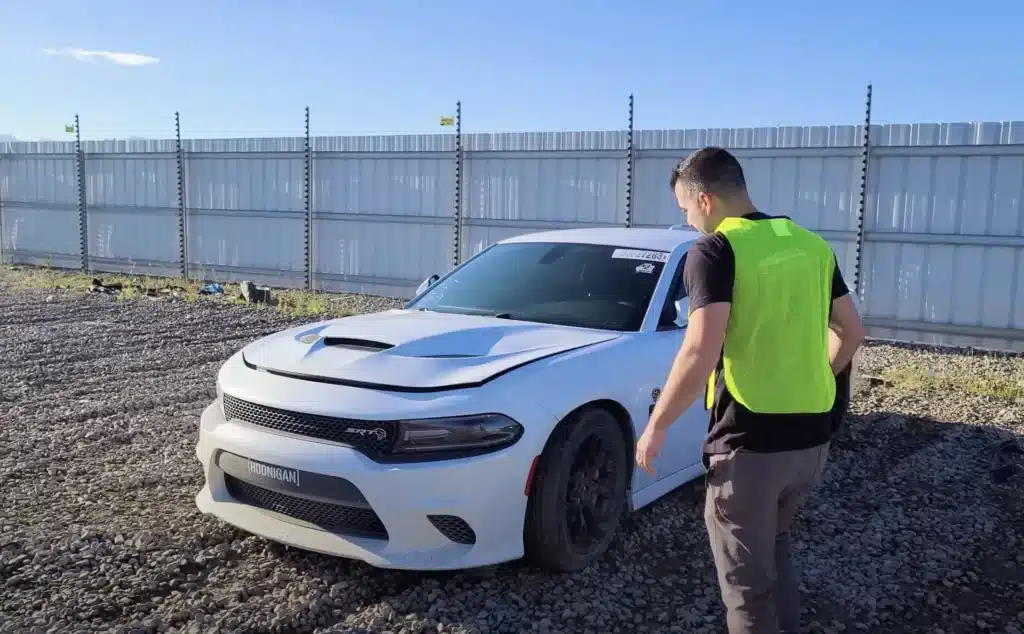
708, 276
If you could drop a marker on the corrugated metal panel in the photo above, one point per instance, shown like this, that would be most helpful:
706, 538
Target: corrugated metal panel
406, 186
413, 251
40, 229
361, 203
246, 211
945, 234
546, 142
134, 234
384, 143
252, 182
132, 202
130, 181
253, 144
44, 181
751, 138
39, 147
537, 187
819, 191
39, 196
268, 240
918, 134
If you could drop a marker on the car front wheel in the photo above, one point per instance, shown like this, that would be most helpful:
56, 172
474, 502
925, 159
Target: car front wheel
578, 493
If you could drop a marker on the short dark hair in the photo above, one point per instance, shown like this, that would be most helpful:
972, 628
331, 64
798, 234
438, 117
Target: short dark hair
712, 170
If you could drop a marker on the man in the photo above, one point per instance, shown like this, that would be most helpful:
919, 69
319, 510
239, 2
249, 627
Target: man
771, 323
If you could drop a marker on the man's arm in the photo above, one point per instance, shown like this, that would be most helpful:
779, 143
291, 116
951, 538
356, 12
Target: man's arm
697, 358
846, 332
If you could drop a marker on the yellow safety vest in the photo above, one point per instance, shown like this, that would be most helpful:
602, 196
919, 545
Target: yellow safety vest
775, 358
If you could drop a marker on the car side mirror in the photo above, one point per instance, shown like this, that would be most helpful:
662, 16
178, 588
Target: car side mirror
680, 318
674, 316
426, 284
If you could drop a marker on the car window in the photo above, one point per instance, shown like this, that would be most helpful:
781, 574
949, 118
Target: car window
678, 288
585, 285
676, 291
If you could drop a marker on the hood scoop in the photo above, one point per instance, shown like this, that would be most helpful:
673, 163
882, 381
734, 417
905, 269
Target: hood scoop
349, 343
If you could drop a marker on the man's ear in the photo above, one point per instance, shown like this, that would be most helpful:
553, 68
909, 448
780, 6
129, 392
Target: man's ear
705, 202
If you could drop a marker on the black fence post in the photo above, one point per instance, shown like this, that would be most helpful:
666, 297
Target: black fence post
865, 158
83, 212
456, 237
629, 166
182, 213
308, 195
3, 252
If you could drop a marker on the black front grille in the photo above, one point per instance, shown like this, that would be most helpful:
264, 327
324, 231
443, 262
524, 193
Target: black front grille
335, 518
372, 437
454, 528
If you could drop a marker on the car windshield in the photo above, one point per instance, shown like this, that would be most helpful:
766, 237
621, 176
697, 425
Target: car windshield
584, 285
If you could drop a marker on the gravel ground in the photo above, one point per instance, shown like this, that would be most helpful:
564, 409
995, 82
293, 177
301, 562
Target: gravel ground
98, 530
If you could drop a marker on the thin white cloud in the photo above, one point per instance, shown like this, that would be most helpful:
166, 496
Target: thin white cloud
122, 59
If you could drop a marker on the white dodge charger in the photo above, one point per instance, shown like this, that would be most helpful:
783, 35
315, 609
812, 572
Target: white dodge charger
492, 417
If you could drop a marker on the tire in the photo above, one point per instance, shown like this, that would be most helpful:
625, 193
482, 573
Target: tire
586, 444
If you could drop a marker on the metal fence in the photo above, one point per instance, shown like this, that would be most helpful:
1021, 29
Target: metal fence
928, 217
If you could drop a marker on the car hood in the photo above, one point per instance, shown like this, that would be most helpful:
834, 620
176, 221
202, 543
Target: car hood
410, 350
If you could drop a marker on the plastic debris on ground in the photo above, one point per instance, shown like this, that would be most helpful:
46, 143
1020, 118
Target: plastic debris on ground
212, 289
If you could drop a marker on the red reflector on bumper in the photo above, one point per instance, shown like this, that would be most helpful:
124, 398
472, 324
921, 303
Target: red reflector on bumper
529, 476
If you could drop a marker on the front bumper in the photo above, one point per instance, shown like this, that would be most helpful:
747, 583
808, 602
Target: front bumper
486, 492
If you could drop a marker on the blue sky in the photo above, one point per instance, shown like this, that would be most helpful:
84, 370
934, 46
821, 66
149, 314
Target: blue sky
249, 67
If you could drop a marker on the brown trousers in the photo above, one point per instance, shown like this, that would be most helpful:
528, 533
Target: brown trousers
752, 499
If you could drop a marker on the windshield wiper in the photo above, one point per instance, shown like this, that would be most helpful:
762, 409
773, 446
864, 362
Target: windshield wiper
481, 312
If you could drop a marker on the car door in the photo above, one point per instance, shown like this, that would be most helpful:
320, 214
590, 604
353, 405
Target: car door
682, 448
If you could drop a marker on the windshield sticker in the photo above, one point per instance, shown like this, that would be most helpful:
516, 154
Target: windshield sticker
646, 267
640, 254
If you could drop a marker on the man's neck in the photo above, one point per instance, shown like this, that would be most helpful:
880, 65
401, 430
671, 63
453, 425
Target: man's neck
738, 211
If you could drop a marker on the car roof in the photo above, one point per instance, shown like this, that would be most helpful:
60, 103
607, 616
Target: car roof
627, 237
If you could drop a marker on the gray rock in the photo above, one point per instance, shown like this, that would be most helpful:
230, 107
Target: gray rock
253, 294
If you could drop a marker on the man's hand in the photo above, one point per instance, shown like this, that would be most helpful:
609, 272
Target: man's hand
648, 446
846, 333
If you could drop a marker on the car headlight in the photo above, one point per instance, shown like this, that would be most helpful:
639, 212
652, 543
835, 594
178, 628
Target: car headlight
479, 432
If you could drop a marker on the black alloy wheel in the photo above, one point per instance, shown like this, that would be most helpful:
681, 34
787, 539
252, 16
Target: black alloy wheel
579, 492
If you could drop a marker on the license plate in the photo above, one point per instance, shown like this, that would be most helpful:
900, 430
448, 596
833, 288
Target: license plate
273, 472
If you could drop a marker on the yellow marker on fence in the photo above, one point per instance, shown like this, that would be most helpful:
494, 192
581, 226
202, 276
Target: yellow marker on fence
70, 129
447, 120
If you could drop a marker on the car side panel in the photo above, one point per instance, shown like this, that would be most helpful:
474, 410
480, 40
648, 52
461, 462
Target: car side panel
627, 371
